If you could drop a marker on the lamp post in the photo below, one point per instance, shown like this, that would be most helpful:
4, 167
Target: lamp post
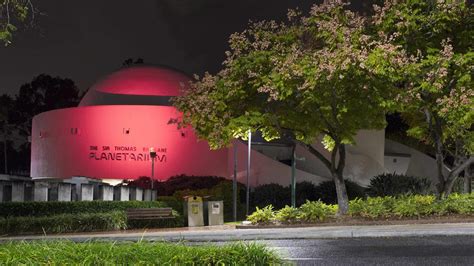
234, 184
152, 156
248, 171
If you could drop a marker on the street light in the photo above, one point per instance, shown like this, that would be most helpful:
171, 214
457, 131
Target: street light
152, 156
248, 171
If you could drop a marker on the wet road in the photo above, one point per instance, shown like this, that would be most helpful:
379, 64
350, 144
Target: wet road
453, 250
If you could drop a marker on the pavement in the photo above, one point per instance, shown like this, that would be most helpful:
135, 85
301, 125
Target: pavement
230, 233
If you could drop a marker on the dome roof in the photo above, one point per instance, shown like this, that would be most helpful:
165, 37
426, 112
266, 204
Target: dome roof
137, 85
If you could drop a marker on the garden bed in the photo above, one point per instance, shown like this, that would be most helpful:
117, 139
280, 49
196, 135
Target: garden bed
349, 221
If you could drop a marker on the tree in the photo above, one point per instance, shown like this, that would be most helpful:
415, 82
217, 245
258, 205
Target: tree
12, 13
6, 128
312, 76
437, 93
43, 93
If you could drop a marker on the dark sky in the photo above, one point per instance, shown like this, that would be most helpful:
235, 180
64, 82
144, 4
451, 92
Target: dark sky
85, 40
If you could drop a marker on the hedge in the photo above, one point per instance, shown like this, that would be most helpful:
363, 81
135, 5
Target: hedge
64, 223
16, 209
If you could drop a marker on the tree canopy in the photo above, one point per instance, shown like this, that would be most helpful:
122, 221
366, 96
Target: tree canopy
312, 76
12, 14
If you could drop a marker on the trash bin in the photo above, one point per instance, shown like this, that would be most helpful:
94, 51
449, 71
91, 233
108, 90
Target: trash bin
215, 212
194, 211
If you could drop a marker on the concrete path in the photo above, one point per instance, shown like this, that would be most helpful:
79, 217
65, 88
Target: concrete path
229, 233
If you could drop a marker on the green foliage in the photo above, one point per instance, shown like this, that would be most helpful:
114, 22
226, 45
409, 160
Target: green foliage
12, 13
457, 204
287, 215
64, 223
177, 221
12, 209
396, 185
414, 206
378, 207
141, 253
262, 216
315, 211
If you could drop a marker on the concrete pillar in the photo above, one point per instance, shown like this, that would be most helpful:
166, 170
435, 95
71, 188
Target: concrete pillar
64, 192
136, 193
18, 191
147, 195
1, 191
121, 193
106, 193
40, 191
86, 192
53, 191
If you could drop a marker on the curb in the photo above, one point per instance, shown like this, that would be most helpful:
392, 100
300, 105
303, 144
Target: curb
327, 232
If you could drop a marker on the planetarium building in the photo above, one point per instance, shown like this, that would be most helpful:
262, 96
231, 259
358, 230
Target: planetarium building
109, 136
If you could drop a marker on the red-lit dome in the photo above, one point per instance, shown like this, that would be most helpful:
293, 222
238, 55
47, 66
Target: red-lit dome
137, 85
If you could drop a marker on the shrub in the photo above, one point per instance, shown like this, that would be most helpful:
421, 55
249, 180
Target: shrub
314, 211
305, 191
287, 215
184, 182
262, 216
416, 205
64, 223
177, 221
274, 194
326, 191
57, 207
457, 203
396, 185
378, 207
140, 253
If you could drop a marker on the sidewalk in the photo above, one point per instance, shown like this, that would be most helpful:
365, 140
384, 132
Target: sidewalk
229, 233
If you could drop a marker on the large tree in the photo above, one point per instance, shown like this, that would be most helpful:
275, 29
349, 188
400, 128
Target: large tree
313, 77
436, 97
43, 93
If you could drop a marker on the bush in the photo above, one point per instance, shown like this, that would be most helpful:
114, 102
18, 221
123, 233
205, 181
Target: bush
326, 191
64, 223
274, 194
141, 253
457, 204
314, 211
396, 185
287, 215
305, 191
262, 216
184, 182
378, 207
49, 208
416, 205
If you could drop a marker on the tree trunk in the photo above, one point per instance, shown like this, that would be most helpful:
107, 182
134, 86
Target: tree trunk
341, 191
467, 181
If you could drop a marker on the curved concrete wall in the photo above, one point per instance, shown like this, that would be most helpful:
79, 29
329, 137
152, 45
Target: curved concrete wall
113, 142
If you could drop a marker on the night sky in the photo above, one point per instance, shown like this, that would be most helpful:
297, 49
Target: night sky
85, 40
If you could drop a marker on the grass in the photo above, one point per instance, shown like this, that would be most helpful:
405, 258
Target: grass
144, 253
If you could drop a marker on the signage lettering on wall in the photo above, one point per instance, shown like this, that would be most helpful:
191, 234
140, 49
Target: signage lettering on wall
124, 153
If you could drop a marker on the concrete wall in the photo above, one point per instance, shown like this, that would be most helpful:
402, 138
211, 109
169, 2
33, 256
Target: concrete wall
18, 191
40, 191
397, 163
64, 192
106, 193
121, 193
136, 193
86, 192
420, 165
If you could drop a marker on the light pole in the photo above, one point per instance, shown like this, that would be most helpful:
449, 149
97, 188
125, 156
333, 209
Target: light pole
234, 184
248, 171
152, 156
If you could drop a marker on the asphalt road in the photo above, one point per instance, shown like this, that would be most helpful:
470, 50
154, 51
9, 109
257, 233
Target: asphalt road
450, 250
